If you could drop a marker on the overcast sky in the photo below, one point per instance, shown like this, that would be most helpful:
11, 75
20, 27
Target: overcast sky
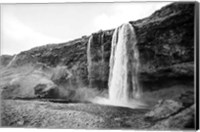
24, 26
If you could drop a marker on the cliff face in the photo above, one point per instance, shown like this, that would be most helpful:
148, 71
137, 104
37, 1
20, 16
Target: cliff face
71, 54
98, 55
167, 37
165, 43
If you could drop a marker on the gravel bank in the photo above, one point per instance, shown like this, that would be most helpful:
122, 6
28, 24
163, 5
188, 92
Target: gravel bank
19, 113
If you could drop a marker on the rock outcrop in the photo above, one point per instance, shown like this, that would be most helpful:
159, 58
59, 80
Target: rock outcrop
5, 59
171, 115
164, 109
183, 120
46, 90
166, 43
32, 85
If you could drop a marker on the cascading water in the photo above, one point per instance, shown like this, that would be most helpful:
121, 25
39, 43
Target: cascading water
96, 61
12, 61
123, 84
124, 63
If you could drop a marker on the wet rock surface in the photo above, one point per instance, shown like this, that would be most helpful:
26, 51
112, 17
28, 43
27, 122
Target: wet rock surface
98, 55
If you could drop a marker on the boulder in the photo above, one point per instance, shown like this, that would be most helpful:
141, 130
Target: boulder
46, 91
187, 98
163, 109
183, 120
60, 75
30, 85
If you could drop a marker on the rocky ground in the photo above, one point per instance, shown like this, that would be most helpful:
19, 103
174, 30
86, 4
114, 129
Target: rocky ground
73, 115
170, 112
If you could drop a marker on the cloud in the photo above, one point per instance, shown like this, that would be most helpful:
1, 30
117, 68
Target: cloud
16, 36
124, 12
24, 27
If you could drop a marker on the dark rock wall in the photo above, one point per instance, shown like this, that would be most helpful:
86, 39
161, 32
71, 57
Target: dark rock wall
167, 37
165, 43
98, 55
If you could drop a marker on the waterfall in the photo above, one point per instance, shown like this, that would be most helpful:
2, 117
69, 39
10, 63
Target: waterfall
12, 61
89, 62
124, 89
124, 63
